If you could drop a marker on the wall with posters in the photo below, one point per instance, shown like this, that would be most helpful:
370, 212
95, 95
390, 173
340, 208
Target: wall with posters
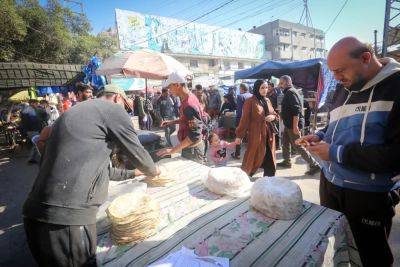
138, 31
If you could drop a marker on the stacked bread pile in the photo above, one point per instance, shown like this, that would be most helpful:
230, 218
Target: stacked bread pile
134, 217
229, 181
277, 198
165, 178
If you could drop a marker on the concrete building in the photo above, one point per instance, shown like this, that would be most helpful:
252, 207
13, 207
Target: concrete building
292, 41
209, 70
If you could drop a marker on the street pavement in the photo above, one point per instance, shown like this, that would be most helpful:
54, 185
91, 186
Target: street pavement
16, 179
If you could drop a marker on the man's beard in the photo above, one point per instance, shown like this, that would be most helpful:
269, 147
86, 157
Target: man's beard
358, 84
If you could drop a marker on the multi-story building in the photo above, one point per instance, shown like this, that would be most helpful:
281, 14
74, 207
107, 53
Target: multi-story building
292, 41
208, 69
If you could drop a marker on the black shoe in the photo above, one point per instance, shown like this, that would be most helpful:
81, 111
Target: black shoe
234, 156
32, 161
313, 170
284, 164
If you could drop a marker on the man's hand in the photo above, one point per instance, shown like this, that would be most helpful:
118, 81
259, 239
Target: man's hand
238, 141
165, 124
320, 150
311, 139
164, 152
137, 172
296, 131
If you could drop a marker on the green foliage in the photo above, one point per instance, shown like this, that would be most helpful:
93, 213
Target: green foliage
50, 33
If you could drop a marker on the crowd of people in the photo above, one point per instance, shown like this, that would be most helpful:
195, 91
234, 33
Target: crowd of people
357, 151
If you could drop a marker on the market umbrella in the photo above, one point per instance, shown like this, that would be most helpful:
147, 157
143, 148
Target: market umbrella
20, 97
141, 64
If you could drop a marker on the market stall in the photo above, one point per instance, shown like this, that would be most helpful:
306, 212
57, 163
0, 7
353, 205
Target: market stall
312, 76
214, 225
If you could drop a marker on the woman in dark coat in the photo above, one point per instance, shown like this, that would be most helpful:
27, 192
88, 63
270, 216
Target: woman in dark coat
257, 117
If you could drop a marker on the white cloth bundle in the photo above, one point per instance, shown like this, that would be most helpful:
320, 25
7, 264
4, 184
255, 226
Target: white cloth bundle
277, 198
228, 181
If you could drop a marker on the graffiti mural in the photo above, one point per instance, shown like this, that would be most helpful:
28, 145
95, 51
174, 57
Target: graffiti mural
137, 31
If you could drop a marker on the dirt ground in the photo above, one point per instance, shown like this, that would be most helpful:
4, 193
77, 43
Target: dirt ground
16, 179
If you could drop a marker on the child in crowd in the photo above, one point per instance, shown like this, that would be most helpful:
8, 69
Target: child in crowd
218, 149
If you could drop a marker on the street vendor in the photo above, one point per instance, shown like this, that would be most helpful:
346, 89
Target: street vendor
60, 211
190, 121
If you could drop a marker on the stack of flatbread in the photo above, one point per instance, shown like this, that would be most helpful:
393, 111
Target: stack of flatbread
134, 217
166, 178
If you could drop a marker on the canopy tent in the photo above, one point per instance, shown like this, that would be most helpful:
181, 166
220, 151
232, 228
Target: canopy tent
27, 74
305, 74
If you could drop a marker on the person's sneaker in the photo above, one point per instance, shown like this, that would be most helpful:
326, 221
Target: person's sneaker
313, 170
234, 156
284, 164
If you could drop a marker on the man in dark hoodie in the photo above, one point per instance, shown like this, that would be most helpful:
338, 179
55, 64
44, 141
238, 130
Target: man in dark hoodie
359, 148
60, 211
293, 120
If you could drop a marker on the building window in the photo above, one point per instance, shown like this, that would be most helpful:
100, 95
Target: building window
227, 65
212, 63
284, 32
303, 34
294, 33
304, 48
240, 65
311, 35
295, 47
284, 47
194, 63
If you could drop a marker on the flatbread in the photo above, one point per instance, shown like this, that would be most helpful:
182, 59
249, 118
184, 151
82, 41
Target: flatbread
167, 177
134, 217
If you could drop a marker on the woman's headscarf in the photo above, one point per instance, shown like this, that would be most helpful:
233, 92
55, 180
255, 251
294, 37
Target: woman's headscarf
256, 92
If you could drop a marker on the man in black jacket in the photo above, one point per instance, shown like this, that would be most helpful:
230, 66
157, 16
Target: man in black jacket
359, 148
60, 211
292, 116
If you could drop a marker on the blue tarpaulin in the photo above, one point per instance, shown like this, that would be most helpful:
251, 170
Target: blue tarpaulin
46, 90
305, 74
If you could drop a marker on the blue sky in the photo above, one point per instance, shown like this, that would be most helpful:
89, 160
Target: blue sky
358, 18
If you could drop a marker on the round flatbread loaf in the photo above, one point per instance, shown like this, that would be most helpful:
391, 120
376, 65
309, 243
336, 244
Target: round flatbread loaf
277, 198
228, 181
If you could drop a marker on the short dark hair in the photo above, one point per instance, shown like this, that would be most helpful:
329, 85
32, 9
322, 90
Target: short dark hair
198, 87
81, 87
357, 52
164, 90
244, 87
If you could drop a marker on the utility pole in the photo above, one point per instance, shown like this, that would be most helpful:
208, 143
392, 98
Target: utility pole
375, 42
391, 29
386, 28
305, 19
